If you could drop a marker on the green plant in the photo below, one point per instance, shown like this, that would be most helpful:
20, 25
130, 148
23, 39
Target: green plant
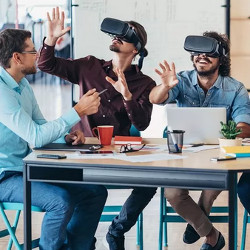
229, 130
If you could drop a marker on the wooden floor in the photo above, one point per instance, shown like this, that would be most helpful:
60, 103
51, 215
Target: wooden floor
57, 97
151, 226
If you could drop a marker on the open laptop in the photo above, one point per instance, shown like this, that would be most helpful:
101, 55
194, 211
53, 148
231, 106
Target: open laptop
201, 125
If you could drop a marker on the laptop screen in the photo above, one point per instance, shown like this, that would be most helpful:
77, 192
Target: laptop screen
201, 125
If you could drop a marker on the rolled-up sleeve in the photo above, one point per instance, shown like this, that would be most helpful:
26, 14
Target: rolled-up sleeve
241, 106
14, 116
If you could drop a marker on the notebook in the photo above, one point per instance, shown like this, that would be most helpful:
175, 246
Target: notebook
201, 125
127, 139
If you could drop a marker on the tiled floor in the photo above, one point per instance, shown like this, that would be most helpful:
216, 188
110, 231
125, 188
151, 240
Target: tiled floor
55, 98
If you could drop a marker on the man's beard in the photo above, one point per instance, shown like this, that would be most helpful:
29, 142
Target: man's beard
114, 48
29, 71
208, 72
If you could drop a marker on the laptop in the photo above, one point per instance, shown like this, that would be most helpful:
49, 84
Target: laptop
201, 125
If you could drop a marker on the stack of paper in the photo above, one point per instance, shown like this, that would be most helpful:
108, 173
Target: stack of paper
128, 139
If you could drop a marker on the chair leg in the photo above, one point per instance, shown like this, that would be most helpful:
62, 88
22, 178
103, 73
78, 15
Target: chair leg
7, 224
165, 231
161, 220
18, 212
139, 231
244, 228
139, 235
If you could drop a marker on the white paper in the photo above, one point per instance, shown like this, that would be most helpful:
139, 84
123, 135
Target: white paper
78, 155
198, 149
149, 157
127, 157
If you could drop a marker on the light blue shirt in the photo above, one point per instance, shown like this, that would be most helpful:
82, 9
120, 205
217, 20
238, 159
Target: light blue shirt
22, 123
226, 92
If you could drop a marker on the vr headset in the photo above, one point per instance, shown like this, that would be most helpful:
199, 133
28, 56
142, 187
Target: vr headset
121, 30
204, 45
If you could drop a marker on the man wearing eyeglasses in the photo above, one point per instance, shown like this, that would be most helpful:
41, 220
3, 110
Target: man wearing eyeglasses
125, 102
208, 85
72, 210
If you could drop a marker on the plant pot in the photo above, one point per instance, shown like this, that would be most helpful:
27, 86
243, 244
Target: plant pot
230, 142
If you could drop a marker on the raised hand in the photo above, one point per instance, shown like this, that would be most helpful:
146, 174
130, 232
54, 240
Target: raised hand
88, 104
55, 26
167, 75
120, 85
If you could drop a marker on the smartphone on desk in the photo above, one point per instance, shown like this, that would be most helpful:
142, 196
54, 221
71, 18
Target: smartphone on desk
224, 158
51, 156
96, 152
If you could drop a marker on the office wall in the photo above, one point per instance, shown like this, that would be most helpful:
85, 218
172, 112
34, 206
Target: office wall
7, 11
240, 39
167, 23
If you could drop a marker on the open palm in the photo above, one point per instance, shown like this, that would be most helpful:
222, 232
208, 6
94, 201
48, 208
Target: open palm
168, 75
56, 24
121, 84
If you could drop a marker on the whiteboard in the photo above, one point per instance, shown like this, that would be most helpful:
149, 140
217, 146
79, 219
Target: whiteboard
167, 23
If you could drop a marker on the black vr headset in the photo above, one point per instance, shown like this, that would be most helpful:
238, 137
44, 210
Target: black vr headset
121, 30
204, 45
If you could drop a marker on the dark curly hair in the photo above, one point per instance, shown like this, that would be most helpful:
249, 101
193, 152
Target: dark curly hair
225, 61
11, 40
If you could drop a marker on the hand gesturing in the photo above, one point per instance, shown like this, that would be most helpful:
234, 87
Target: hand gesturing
121, 84
56, 25
167, 75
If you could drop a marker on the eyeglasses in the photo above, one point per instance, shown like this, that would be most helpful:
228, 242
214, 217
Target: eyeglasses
33, 52
128, 148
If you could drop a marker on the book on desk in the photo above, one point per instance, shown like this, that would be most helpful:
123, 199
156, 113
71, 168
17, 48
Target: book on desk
238, 151
133, 140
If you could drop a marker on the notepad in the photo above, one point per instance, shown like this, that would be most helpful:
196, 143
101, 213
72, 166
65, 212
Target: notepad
239, 155
127, 139
236, 149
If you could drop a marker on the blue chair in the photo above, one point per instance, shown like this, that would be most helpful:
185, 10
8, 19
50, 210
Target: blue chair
134, 131
168, 215
11, 230
246, 219
111, 211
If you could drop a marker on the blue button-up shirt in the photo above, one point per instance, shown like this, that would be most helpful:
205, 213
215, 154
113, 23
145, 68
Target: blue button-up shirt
226, 92
22, 123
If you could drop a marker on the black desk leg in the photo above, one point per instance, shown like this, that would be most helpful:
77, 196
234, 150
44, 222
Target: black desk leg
233, 211
27, 209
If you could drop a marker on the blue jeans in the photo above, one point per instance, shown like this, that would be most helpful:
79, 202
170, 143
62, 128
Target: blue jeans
134, 205
244, 190
72, 211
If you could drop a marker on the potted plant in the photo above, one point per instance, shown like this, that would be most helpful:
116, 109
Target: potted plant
230, 131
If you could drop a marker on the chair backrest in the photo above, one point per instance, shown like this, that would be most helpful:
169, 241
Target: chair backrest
134, 131
165, 134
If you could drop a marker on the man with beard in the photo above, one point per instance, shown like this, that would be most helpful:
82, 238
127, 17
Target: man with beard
208, 85
72, 210
125, 102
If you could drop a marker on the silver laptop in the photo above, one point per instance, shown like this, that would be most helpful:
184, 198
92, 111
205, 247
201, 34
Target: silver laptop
201, 125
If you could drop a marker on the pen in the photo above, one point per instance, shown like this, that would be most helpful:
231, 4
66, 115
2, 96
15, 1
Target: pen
102, 91
173, 139
197, 145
